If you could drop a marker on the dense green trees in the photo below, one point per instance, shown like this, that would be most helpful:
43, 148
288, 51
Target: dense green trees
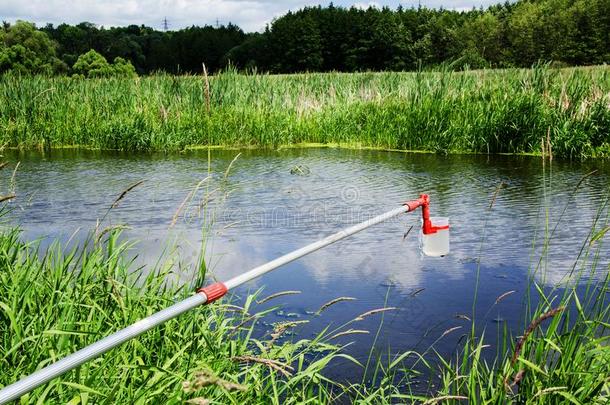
569, 32
296, 44
572, 32
26, 50
149, 50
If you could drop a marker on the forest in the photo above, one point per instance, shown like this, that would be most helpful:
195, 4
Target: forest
322, 39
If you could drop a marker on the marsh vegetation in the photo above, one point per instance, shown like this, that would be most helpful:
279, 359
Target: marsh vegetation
487, 111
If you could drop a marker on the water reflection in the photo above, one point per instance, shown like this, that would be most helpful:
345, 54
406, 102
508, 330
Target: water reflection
263, 208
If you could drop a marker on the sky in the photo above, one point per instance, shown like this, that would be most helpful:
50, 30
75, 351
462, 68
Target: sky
250, 15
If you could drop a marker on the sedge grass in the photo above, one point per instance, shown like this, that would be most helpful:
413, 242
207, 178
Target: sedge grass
57, 301
54, 304
496, 111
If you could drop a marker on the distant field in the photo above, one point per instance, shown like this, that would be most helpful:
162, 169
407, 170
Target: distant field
495, 111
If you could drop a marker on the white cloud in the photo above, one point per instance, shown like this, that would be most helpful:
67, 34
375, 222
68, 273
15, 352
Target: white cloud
249, 14
364, 6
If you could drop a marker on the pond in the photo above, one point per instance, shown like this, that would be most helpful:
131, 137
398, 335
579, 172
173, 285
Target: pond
263, 204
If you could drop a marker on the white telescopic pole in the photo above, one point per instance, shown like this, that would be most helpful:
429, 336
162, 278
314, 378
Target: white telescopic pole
27, 384
287, 258
204, 295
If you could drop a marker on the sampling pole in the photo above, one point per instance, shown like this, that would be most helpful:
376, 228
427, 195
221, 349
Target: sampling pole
203, 295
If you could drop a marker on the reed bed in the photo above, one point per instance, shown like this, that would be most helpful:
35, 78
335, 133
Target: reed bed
565, 113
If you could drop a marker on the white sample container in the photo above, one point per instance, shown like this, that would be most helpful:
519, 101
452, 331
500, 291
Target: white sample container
436, 244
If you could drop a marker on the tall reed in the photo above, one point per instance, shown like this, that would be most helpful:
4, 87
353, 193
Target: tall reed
477, 111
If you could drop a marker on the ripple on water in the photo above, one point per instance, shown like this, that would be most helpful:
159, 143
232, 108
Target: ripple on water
262, 210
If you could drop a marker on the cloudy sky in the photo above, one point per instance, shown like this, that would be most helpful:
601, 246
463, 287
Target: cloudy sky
251, 15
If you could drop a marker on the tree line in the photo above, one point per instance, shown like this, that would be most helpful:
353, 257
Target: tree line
565, 32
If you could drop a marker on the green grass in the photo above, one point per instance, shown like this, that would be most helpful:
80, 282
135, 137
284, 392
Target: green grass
58, 301
53, 305
495, 111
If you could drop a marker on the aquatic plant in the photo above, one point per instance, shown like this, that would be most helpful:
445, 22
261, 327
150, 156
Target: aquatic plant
484, 111
64, 300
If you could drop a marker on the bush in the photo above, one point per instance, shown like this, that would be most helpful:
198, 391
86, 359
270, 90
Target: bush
92, 64
123, 67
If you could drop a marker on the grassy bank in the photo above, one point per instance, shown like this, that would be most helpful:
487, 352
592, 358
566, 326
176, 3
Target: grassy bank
498, 111
53, 305
54, 302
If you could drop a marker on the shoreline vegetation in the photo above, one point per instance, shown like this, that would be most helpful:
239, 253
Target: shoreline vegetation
60, 300
308, 145
515, 111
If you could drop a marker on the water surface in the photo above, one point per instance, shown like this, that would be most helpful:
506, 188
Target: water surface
271, 202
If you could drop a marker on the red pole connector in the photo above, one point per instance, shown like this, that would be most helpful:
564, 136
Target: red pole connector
427, 228
213, 291
424, 202
420, 202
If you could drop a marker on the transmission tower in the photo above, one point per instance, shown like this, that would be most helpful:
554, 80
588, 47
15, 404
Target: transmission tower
165, 24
